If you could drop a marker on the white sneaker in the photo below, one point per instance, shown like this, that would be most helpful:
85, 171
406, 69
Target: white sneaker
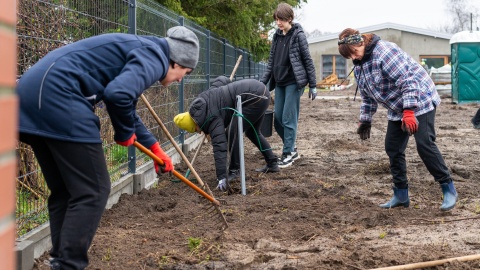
286, 159
295, 155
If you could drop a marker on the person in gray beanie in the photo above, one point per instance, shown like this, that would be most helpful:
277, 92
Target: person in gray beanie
58, 96
184, 48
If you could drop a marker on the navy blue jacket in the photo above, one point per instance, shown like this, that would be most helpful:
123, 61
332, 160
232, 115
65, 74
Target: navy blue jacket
58, 94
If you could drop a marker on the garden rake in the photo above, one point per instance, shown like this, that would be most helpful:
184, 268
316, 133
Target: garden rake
213, 209
213, 202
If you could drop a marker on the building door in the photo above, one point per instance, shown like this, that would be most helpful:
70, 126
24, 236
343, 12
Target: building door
334, 64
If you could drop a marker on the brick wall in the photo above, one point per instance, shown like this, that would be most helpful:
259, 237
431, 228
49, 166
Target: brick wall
8, 134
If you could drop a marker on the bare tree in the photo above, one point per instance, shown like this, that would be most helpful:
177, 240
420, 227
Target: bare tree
465, 16
316, 33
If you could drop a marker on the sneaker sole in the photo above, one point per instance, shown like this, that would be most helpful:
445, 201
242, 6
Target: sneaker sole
295, 158
285, 165
269, 171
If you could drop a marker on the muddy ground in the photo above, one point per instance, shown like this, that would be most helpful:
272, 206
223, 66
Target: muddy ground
320, 213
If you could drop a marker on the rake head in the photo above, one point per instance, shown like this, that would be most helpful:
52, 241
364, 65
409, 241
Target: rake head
206, 195
214, 212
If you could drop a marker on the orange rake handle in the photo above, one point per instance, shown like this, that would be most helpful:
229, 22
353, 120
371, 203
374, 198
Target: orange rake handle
177, 174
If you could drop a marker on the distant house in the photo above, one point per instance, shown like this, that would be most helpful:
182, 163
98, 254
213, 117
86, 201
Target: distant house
423, 45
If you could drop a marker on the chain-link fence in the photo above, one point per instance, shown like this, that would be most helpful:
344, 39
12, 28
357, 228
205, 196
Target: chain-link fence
44, 25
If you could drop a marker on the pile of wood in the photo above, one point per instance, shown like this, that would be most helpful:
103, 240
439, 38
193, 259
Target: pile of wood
331, 80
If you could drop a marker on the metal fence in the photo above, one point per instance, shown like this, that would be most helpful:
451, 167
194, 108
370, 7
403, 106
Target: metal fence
44, 25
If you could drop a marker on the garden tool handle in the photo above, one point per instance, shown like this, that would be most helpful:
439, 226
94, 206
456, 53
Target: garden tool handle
180, 152
195, 155
235, 68
177, 174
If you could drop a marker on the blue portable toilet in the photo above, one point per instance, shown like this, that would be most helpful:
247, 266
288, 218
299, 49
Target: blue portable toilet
465, 48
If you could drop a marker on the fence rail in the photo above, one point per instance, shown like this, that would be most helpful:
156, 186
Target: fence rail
44, 25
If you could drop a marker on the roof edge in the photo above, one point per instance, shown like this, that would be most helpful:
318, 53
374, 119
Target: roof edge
387, 25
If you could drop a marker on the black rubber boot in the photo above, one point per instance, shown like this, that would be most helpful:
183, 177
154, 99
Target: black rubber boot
233, 174
271, 167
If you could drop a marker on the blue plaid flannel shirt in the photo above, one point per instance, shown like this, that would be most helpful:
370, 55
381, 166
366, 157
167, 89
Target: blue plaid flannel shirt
396, 81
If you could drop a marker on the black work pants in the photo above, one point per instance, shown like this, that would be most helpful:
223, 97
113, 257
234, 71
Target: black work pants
253, 112
396, 143
79, 183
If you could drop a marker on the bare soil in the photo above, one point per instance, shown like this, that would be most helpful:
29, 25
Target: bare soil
320, 213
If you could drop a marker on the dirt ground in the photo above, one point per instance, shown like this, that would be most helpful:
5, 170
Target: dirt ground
320, 213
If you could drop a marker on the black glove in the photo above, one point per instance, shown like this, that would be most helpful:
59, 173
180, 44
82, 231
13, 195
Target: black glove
364, 130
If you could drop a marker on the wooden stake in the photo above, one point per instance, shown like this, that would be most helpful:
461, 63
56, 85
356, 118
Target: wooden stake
430, 263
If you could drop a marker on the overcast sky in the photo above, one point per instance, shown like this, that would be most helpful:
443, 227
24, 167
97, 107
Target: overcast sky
334, 16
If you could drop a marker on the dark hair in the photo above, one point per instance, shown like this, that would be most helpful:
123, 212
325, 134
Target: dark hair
283, 12
348, 49
172, 64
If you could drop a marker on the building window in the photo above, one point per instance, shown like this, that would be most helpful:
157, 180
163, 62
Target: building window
334, 64
435, 61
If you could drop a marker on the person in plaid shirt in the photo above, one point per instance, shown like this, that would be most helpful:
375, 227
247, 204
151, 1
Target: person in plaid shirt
388, 76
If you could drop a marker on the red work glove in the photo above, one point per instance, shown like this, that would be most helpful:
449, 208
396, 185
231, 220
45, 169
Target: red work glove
167, 162
129, 141
409, 122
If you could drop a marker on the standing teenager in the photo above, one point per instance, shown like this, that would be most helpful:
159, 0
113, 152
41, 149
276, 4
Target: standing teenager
290, 68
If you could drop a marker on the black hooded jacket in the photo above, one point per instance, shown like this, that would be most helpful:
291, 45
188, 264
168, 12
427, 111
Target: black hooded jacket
302, 63
214, 109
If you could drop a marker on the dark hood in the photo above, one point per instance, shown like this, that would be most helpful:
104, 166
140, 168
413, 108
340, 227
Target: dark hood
295, 28
157, 40
220, 81
198, 111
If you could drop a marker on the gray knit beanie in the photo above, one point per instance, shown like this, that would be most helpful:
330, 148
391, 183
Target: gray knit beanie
184, 48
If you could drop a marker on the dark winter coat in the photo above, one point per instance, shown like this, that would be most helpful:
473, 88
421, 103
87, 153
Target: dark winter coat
300, 59
58, 94
213, 110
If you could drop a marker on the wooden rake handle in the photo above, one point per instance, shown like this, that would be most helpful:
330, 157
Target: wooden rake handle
177, 174
165, 130
195, 155
235, 68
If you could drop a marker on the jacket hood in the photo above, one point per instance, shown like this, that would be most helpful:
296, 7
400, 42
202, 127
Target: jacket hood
296, 27
198, 111
220, 81
153, 39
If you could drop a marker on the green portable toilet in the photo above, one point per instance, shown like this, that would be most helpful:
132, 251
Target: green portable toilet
465, 48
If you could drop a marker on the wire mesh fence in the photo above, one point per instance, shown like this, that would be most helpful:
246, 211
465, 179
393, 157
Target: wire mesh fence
44, 25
